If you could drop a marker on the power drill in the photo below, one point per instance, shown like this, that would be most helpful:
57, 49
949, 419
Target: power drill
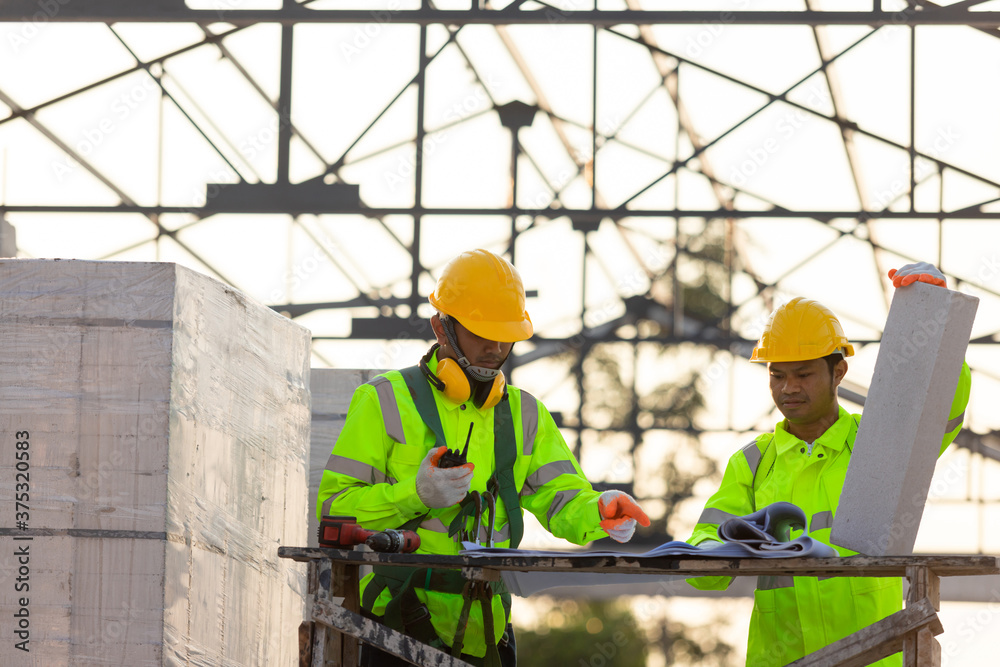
340, 532
452, 458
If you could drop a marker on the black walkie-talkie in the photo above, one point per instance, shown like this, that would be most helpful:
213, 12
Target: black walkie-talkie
452, 457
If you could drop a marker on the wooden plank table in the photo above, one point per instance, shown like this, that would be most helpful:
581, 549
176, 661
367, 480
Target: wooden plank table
911, 630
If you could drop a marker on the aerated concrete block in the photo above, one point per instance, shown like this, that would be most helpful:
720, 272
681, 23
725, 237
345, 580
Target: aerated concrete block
906, 412
331, 390
166, 422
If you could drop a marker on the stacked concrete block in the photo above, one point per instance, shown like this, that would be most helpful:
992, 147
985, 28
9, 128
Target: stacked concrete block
906, 411
166, 418
331, 389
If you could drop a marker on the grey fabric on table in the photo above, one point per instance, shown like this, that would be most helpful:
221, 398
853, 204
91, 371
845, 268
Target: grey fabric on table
766, 533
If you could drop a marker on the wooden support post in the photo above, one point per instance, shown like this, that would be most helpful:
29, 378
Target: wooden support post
920, 648
344, 583
319, 587
924, 583
305, 643
328, 581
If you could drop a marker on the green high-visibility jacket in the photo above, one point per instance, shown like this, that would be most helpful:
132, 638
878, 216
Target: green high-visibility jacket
795, 616
371, 475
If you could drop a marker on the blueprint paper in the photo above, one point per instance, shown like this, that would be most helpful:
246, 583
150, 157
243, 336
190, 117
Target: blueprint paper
751, 536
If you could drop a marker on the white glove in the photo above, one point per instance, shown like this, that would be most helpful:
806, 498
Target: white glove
442, 487
620, 513
920, 272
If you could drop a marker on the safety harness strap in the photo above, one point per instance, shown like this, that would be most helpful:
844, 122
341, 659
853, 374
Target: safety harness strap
420, 391
504, 451
404, 611
407, 614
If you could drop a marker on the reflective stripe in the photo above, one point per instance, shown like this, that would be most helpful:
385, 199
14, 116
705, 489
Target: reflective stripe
770, 583
954, 423
559, 501
358, 470
752, 454
435, 525
714, 516
529, 422
546, 474
329, 501
390, 410
821, 520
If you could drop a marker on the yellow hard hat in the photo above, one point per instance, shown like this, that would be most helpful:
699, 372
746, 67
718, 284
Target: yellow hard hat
801, 330
484, 292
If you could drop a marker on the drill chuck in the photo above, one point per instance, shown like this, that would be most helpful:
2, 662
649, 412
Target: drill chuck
394, 541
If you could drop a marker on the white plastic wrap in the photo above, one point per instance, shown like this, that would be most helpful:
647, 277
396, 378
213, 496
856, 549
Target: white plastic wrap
168, 428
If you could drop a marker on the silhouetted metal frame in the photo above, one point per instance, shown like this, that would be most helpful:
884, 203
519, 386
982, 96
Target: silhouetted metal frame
919, 13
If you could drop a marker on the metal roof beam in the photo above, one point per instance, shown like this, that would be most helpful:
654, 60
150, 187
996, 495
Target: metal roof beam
175, 11
580, 215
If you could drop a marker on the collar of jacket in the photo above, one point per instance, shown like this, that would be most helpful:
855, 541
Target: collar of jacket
834, 438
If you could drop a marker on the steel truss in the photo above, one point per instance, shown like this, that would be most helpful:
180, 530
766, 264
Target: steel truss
312, 182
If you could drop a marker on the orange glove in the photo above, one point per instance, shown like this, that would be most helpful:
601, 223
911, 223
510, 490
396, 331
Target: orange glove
920, 272
620, 513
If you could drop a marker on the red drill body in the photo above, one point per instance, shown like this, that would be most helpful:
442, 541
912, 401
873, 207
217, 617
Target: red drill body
343, 532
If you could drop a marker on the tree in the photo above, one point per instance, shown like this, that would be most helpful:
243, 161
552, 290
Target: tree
684, 302
577, 633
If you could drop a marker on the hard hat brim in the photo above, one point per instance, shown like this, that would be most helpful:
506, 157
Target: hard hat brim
760, 356
502, 332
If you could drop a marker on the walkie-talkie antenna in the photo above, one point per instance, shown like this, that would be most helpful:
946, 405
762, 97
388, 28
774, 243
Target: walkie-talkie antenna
452, 457
465, 452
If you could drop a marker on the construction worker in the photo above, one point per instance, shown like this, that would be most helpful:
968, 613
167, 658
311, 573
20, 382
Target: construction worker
386, 469
804, 461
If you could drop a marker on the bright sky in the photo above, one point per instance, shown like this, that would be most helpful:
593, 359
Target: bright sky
346, 74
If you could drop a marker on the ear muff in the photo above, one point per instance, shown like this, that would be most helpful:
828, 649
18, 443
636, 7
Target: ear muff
488, 394
455, 383
452, 381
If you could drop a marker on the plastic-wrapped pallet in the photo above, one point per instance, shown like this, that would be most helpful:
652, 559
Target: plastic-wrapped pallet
154, 429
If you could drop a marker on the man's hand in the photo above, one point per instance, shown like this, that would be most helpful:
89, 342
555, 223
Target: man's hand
920, 272
442, 487
620, 513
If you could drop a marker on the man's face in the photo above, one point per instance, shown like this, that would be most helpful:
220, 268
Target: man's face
805, 391
479, 351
